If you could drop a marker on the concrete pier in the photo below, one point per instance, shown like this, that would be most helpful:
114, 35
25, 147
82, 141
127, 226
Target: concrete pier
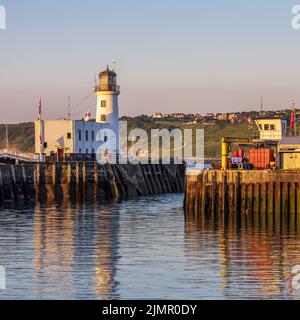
87, 181
16, 182
256, 195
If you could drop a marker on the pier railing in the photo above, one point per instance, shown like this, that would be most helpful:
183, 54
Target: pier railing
18, 155
107, 87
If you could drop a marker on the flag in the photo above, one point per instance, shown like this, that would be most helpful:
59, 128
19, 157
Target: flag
40, 109
292, 120
293, 115
87, 116
41, 129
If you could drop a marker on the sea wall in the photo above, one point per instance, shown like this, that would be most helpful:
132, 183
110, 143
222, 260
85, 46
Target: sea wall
259, 195
16, 182
88, 180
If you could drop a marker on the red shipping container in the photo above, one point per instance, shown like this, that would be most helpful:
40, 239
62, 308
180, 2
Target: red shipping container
261, 158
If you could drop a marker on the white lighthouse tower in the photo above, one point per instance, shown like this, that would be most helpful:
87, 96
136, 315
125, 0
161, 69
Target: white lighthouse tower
107, 92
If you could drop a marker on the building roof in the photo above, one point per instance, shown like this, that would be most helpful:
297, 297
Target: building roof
290, 140
107, 72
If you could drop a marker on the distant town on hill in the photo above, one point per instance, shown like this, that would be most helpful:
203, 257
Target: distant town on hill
229, 117
21, 136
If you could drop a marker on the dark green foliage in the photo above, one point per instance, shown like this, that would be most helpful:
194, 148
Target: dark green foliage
21, 136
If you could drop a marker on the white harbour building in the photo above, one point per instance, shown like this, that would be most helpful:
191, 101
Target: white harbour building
81, 138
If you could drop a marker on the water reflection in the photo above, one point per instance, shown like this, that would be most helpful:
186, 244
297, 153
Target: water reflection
76, 246
252, 260
106, 245
143, 249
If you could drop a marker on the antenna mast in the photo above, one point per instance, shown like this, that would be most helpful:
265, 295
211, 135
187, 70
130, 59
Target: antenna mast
114, 63
69, 107
95, 79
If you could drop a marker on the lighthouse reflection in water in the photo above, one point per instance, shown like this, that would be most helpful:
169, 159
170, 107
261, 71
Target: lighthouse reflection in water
142, 248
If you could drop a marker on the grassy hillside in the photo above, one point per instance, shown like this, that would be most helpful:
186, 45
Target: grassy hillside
213, 132
21, 136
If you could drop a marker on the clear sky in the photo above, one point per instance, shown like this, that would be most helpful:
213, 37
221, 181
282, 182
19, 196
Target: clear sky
173, 56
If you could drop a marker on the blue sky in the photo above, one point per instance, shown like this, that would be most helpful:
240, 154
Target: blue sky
173, 56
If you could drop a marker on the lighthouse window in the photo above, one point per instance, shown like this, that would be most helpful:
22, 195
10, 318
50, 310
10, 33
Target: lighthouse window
103, 103
69, 136
45, 145
103, 117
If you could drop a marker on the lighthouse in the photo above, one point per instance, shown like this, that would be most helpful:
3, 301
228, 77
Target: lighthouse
88, 138
107, 92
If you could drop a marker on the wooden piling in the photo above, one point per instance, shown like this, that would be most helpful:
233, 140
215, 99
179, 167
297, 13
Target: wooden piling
13, 186
277, 209
213, 194
270, 205
237, 193
285, 204
250, 200
204, 195
197, 195
266, 198
256, 207
224, 194
263, 204
243, 203
292, 204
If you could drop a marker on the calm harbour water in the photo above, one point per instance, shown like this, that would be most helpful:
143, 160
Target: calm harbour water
140, 249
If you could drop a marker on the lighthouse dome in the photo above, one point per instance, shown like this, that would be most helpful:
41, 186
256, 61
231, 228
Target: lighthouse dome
107, 73
107, 81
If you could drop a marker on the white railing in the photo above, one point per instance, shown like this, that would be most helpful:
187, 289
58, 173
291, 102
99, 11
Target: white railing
23, 156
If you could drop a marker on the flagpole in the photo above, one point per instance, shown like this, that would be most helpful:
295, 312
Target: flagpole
295, 118
41, 127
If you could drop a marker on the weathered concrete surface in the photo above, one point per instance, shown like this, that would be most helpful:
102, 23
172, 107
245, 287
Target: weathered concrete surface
88, 180
16, 182
253, 194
